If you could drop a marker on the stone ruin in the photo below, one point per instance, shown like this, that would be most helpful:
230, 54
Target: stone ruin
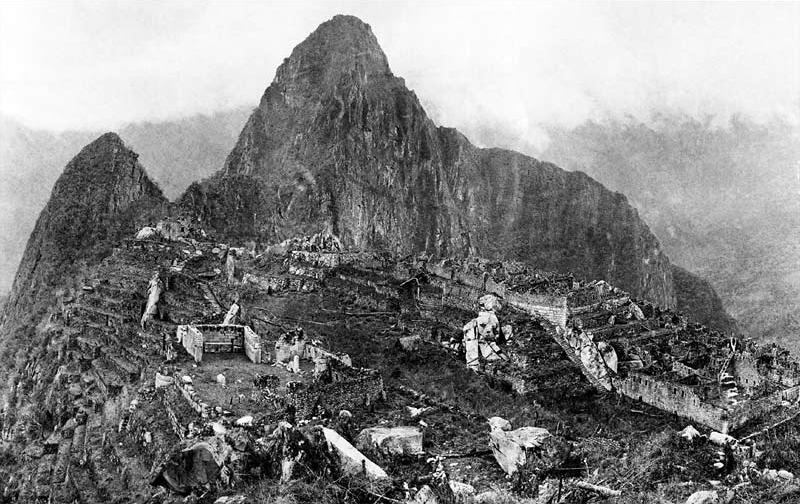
631, 347
215, 338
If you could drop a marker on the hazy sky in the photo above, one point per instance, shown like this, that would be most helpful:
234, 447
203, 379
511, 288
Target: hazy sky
509, 65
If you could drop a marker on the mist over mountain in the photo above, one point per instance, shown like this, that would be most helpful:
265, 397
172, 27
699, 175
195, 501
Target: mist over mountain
724, 200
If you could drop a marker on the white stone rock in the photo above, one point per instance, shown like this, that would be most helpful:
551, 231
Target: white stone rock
353, 461
146, 233
501, 423
417, 412
703, 497
509, 447
786, 475
489, 303
689, 433
245, 421
462, 491
221, 379
163, 380
410, 343
231, 499
219, 429
404, 440
425, 495
721, 439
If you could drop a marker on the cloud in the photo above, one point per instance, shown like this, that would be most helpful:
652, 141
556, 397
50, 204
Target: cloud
521, 65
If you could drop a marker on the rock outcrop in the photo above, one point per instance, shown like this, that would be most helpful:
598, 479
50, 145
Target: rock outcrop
339, 142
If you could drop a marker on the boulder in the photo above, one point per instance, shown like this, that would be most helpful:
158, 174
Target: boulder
231, 499
425, 495
509, 447
163, 380
462, 491
404, 440
196, 467
689, 433
245, 421
703, 497
353, 462
489, 303
417, 412
221, 379
721, 439
785, 475
147, 233
500, 423
410, 343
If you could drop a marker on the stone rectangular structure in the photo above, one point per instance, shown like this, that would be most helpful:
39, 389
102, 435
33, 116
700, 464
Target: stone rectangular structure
213, 338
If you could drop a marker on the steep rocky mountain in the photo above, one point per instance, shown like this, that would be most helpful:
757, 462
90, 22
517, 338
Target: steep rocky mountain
339, 142
724, 200
103, 194
175, 152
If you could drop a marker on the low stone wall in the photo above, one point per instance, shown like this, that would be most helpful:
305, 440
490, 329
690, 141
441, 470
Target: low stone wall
683, 370
748, 411
361, 390
252, 345
192, 397
192, 341
281, 284
313, 352
673, 398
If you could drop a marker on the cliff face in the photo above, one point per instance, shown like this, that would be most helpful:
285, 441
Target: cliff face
338, 141
102, 195
698, 298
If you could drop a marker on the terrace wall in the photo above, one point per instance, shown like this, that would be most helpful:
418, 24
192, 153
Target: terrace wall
551, 308
673, 398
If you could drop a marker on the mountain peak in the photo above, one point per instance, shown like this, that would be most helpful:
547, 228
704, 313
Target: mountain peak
341, 45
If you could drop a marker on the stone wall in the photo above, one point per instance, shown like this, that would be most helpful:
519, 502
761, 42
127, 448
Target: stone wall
252, 345
280, 284
192, 341
362, 389
222, 338
673, 398
198, 339
313, 352
683, 370
551, 308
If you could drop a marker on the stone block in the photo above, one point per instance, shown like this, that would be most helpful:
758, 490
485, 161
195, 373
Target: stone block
404, 440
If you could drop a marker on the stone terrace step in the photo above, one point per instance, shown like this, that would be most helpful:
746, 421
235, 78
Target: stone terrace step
62, 462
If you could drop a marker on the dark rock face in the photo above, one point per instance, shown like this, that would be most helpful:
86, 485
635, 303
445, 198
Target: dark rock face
339, 142
102, 195
698, 298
